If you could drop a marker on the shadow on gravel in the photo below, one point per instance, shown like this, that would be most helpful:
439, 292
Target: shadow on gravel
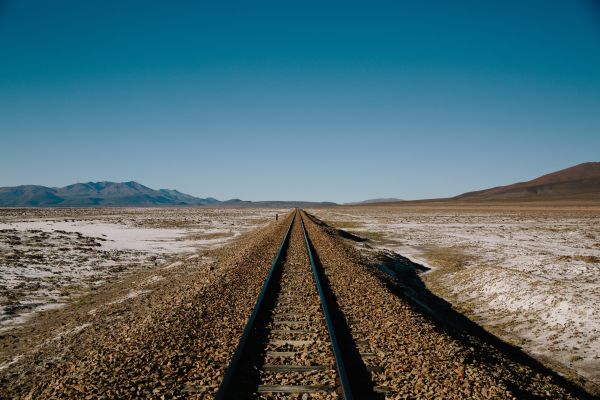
402, 278
340, 232
358, 375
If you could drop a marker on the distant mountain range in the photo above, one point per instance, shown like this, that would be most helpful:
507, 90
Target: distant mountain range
120, 194
96, 194
375, 201
275, 204
580, 182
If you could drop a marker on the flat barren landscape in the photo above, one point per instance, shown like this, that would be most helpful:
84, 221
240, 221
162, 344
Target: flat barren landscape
528, 272
48, 257
170, 327
393, 200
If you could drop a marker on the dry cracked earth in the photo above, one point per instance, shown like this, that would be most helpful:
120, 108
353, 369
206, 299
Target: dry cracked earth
175, 337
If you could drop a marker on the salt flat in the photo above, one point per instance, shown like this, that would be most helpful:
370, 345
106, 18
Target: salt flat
50, 256
531, 276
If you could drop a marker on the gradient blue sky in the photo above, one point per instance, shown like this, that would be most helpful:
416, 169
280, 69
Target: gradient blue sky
337, 101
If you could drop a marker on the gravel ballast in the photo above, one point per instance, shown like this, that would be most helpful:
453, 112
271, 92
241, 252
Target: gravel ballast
420, 358
174, 343
176, 340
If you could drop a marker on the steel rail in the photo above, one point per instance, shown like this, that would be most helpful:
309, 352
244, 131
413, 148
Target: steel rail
224, 391
337, 351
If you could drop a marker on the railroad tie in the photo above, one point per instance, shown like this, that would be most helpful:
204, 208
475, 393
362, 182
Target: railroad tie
297, 350
294, 368
295, 389
293, 331
291, 342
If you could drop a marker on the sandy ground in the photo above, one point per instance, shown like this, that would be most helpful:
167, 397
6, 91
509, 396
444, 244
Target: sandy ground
531, 276
48, 257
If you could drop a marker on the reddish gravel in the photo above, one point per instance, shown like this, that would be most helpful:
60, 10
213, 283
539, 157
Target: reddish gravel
419, 358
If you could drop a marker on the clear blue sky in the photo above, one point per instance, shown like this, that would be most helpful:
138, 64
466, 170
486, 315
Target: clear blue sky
337, 101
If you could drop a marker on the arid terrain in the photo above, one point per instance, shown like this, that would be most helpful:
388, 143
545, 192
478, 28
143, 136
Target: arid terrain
48, 257
205, 200
170, 330
529, 273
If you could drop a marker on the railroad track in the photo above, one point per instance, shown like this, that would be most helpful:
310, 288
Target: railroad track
296, 343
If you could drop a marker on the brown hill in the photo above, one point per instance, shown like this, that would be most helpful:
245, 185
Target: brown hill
579, 182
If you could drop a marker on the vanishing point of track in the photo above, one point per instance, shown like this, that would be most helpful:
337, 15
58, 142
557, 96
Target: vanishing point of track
293, 343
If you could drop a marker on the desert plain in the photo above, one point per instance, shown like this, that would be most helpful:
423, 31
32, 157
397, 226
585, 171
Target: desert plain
528, 272
49, 257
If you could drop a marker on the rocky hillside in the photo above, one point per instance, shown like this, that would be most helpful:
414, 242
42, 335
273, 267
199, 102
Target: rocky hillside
579, 182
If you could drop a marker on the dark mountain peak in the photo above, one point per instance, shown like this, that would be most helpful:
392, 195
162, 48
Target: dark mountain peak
133, 185
103, 193
121, 194
79, 186
173, 192
28, 196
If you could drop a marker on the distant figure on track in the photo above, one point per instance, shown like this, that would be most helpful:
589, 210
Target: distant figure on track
276, 217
